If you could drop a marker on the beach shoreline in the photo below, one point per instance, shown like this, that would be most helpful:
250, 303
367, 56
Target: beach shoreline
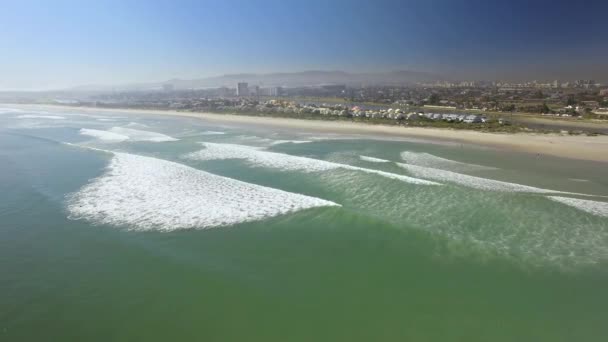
591, 148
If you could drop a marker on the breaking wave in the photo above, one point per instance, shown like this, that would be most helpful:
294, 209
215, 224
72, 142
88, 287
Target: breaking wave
279, 142
146, 193
5, 110
429, 160
286, 162
33, 116
525, 229
103, 135
109, 119
592, 207
138, 135
136, 124
117, 134
213, 133
373, 160
472, 181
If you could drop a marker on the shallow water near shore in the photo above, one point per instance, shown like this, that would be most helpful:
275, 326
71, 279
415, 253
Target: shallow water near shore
122, 226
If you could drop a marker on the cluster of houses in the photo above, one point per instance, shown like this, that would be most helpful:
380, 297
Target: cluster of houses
466, 118
398, 114
390, 113
340, 110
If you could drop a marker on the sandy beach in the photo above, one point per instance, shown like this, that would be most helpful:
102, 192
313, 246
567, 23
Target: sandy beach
593, 148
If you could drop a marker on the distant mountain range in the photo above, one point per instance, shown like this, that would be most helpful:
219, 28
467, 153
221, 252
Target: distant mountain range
290, 79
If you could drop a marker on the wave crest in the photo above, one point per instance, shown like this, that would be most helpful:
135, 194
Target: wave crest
286, 162
146, 193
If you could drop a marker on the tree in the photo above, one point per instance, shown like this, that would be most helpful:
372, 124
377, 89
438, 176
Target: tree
434, 99
508, 108
545, 109
571, 101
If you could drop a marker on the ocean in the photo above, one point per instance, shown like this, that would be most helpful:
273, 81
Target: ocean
122, 226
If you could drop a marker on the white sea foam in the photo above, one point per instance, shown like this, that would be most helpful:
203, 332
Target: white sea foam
252, 139
100, 117
472, 181
109, 119
5, 110
279, 142
373, 160
137, 124
592, 207
104, 135
138, 135
429, 160
255, 140
212, 133
92, 116
286, 162
146, 193
122, 134
36, 116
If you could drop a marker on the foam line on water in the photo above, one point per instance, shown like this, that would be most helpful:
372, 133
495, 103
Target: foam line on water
373, 160
136, 124
213, 133
429, 160
103, 135
139, 135
279, 142
98, 117
35, 116
87, 147
117, 134
286, 162
331, 138
592, 207
109, 119
475, 182
5, 110
147, 193
253, 138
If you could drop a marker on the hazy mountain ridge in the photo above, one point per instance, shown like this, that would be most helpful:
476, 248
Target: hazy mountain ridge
285, 79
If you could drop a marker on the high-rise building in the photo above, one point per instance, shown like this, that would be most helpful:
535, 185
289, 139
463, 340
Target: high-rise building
242, 89
271, 91
276, 91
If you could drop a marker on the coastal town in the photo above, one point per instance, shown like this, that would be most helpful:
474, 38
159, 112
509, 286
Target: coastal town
490, 106
566, 107
581, 98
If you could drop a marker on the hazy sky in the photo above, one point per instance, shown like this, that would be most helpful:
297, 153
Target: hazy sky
54, 43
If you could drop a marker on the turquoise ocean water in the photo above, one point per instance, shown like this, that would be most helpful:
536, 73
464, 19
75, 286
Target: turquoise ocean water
125, 226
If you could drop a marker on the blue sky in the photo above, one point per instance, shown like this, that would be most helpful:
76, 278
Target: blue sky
49, 44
